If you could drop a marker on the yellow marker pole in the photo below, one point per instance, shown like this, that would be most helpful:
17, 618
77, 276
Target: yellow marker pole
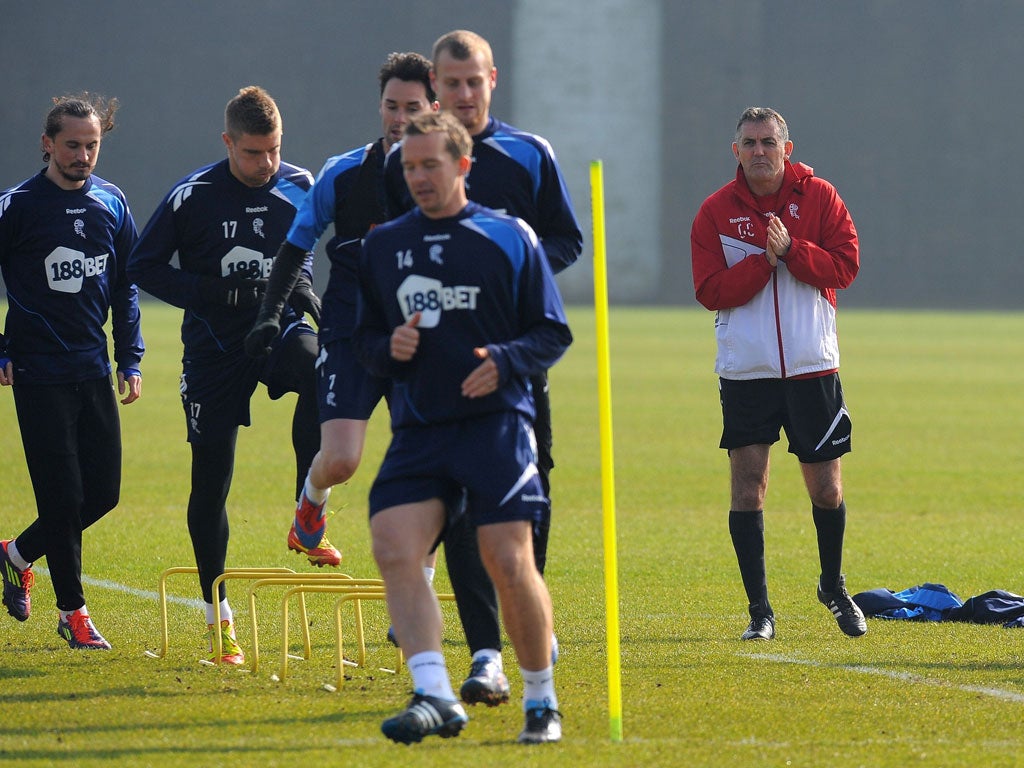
604, 390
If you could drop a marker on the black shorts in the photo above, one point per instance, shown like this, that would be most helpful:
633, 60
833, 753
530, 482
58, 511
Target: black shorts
215, 393
811, 411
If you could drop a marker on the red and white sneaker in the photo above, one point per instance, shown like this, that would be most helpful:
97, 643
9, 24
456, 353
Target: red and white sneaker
80, 633
324, 553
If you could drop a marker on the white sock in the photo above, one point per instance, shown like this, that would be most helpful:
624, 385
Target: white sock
316, 495
429, 573
490, 654
430, 675
538, 688
15, 556
64, 614
225, 612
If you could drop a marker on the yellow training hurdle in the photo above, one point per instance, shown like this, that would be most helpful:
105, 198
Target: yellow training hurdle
356, 596
332, 582
351, 590
229, 573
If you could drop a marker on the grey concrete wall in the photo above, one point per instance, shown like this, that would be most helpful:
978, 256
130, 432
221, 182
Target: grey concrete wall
174, 65
908, 107
592, 104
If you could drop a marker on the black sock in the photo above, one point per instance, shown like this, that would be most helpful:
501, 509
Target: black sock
831, 527
747, 531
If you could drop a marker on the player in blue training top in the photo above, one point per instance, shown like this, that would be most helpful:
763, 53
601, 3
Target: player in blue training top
514, 172
65, 236
348, 193
225, 222
459, 307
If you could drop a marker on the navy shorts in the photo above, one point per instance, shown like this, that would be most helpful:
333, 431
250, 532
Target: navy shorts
492, 457
345, 389
811, 411
215, 393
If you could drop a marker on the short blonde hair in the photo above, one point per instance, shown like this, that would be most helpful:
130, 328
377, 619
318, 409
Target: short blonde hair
462, 44
458, 142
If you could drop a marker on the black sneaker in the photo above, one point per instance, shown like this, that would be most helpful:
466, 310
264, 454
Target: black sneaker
848, 615
543, 724
17, 585
486, 684
760, 628
425, 716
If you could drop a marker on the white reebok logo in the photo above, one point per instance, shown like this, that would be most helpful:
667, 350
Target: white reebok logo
832, 429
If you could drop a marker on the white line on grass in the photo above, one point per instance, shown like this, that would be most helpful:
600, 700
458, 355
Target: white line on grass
996, 693
113, 585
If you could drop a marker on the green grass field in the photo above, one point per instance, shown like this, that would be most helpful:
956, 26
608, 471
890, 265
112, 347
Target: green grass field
933, 492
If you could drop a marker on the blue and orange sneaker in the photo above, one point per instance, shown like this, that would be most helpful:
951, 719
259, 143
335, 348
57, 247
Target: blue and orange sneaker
17, 585
310, 522
80, 633
323, 553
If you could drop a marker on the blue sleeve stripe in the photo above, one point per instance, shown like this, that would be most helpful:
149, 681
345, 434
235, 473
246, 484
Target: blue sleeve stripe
504, 234
316, 212
341, 163
289, 191
313, 215
524, 153
111, 202
506, 237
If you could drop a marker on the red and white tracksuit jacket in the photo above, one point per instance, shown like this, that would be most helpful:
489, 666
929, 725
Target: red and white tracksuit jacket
774, 323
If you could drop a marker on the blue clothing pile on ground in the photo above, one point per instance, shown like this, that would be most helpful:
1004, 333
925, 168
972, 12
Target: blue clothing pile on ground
935, 602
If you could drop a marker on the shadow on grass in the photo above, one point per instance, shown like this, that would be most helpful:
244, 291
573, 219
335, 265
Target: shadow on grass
146, 755
79, 695
298, 720
11, 674
153, 755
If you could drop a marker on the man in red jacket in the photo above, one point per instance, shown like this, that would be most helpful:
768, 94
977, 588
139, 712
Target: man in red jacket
769, 251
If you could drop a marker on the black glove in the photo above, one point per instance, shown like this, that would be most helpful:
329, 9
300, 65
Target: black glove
287, 270
303, 300
259, 338
233, 291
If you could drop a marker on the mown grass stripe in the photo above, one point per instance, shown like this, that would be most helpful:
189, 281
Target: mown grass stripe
191, 602
907, 677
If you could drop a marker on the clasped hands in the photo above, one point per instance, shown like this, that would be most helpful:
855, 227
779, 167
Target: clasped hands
778, 242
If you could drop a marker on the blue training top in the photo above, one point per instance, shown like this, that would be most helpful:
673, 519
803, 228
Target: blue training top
513, 172
219, 227
348, 193
63, 255
480, 279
